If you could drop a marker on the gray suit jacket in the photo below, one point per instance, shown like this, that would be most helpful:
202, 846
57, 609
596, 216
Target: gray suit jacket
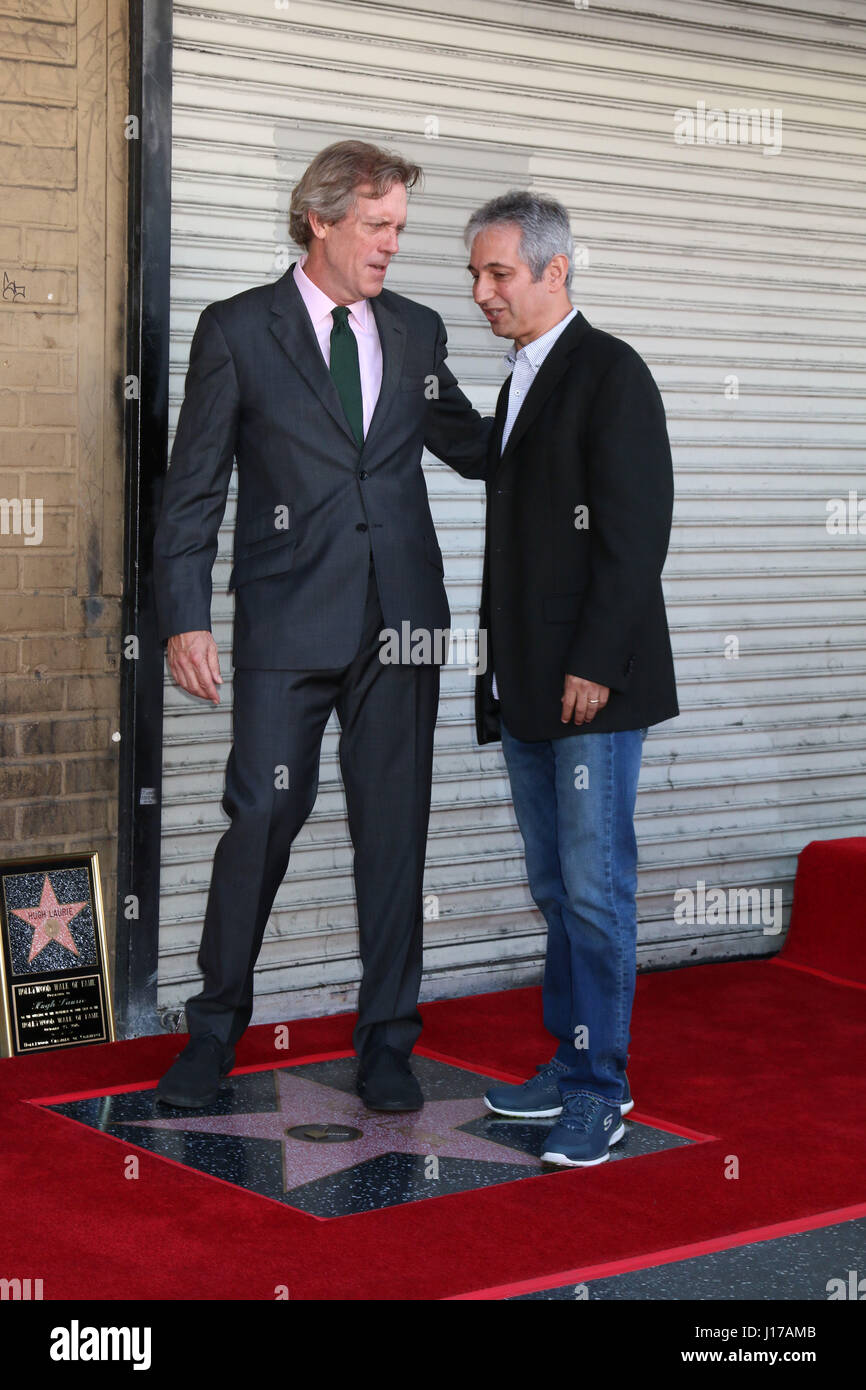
311, 505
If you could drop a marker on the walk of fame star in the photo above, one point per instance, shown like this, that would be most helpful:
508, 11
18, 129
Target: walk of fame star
50, 920
432, 1131
244, 1139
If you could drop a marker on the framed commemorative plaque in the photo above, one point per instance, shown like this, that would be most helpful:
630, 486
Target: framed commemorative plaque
53, 960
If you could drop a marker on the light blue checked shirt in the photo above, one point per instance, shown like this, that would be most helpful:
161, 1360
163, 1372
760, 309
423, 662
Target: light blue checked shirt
524, 366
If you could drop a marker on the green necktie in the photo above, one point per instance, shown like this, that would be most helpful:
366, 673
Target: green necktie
345, 371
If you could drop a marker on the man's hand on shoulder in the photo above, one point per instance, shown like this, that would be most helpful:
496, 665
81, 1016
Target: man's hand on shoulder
194, 662
582, 700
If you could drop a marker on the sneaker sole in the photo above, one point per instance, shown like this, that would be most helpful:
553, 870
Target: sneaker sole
524, 1114
563, 1161
624, 1109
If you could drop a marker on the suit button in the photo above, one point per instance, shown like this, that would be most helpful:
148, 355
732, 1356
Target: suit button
362, 526
362, 475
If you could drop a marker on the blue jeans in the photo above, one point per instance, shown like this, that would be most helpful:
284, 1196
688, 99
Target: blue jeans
574, 799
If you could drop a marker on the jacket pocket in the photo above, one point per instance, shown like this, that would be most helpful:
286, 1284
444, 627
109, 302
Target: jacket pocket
265, 560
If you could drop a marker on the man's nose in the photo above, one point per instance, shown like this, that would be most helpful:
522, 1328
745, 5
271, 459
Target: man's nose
481, 291
391, 243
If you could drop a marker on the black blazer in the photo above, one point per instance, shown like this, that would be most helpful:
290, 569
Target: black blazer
311, 504
560, 596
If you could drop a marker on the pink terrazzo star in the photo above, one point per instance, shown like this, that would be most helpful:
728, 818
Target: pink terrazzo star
50, 921
431, 1131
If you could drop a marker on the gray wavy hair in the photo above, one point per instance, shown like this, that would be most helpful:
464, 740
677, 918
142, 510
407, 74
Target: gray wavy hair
329, 185
544, 228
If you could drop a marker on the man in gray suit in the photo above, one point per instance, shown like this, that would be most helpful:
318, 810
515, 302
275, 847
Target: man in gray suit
325, 387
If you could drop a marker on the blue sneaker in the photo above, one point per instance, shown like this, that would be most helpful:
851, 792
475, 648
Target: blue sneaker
587, 1128
538, 1098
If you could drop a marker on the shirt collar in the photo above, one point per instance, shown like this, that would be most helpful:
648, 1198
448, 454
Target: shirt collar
320, 307
535, 352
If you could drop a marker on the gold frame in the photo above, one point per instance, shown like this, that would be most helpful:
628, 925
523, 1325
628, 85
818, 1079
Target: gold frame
86, 859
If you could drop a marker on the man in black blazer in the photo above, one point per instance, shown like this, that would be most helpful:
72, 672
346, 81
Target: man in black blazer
579, 503
325, 388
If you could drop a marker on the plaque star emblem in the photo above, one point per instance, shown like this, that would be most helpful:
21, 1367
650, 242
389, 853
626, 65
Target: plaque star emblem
50, 921
434, 1131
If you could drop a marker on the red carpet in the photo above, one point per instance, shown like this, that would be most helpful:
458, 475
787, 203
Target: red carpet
828, 921
764, 1055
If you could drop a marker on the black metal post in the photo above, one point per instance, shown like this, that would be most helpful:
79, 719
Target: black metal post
146, 419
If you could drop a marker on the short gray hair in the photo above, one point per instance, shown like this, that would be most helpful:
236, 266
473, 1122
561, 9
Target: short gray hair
544, 228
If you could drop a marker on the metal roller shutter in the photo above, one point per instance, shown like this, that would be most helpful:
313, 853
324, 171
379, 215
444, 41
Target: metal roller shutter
717, 261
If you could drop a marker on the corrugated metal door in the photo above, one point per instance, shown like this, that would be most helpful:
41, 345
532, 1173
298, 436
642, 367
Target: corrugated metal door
735, 267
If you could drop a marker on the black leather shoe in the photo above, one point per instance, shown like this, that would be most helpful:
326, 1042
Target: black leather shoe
385, 1081
192, 1081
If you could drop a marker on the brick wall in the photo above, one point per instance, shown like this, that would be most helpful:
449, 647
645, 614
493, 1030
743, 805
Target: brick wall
63, 168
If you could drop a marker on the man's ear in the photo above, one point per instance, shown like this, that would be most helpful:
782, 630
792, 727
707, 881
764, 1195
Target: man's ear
316, 225
556, 273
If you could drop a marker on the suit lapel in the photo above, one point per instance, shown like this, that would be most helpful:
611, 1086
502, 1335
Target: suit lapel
291, 326
495, 444
392, 336
547, 378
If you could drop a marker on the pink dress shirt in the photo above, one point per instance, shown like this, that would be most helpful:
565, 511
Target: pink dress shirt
362, 322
